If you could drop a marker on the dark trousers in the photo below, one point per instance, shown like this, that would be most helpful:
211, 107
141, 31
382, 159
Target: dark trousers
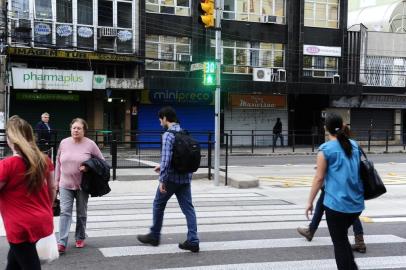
184, 195
23, 256
338, 224
318, 214
275, 138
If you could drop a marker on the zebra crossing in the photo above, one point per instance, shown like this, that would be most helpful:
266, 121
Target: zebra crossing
238, 230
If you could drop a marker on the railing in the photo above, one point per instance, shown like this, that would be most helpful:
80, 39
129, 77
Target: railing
132, 154
257, 141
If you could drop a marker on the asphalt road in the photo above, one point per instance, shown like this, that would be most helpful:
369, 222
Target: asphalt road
303, 159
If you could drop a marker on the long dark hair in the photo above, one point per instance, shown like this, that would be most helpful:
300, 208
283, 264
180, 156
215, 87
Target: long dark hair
21, 135
334, 125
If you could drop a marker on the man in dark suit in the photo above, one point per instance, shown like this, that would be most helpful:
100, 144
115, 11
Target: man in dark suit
43, 131
277, 132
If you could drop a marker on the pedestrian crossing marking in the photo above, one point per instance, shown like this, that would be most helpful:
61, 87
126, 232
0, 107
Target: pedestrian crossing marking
390, 262
366, 219
239, 245
306, 180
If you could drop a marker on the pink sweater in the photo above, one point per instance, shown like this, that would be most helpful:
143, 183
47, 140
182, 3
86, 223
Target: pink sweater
70, 157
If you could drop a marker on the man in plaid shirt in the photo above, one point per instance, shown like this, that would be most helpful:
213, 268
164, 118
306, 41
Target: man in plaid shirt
171, 182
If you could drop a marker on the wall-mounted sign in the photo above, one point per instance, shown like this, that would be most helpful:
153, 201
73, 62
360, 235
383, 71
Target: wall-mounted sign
46, 97
185, 97
258, 101
321, 50
124, 83
71, 54
99, 81
52, 79
85, 32
42, 29
64, 30
390, 102
124, 35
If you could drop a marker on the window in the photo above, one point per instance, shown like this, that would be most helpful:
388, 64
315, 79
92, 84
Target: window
176, 50
320, 66
105, 15
321, 13
20, 9
124, 15
85, 12
241, 56
255, 10
64, 11
175, 7
43, 9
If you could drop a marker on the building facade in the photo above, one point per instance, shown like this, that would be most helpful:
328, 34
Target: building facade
281, 59
74, 58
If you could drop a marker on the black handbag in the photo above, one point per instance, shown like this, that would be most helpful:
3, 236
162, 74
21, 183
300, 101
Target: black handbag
56, 206
373, 184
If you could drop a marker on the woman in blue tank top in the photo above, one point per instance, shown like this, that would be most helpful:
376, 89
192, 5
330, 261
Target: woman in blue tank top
338, 164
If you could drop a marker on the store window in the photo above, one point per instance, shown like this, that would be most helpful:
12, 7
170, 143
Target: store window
321, 13
320, 66
167, 52
241, 56
272, 11
124, 15
174, 7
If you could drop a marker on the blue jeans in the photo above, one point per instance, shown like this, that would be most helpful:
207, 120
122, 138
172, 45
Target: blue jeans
318, 214
184, 195
67, 197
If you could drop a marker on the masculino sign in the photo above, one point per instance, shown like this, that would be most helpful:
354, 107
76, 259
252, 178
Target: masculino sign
52, 79
321, 50
258, 101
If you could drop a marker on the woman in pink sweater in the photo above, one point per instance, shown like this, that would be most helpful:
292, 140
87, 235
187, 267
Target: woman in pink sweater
72, 152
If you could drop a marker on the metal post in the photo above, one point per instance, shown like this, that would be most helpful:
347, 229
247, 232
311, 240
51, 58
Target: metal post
313, 142
226, 172
273, 143
369, 140
387, 141
218, 17
231, 141
252, 142
293, 142
209, 146
114, 158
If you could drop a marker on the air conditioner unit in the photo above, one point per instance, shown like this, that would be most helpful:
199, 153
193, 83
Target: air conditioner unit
280, 75
183, 57
262, 74
269, 19
22, 25
107, 32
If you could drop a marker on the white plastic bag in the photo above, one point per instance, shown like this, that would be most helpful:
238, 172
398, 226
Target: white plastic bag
47, 249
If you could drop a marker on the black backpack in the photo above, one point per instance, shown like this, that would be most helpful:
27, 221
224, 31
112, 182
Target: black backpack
186, 152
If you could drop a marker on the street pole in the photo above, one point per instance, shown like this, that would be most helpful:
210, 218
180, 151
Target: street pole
3, 63
217, 93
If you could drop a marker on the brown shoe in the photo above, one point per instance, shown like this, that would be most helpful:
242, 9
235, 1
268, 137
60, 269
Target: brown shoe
359, 245
306, 232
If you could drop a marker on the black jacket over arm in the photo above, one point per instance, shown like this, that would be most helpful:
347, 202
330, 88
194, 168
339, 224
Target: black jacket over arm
96, 180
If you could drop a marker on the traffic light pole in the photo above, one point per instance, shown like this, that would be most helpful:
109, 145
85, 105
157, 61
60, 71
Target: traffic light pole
217, 93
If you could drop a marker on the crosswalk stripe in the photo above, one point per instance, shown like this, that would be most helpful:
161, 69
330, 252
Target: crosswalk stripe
240, 245
390, 262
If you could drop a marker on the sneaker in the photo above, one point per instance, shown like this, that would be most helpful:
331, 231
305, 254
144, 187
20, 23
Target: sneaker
148, 239
80, 243
188, 246
61, 249
306, 232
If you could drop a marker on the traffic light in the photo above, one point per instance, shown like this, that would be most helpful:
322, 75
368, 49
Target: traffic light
208, 9
209, 73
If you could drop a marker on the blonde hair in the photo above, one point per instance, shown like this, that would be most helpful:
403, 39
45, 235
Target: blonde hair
21, 135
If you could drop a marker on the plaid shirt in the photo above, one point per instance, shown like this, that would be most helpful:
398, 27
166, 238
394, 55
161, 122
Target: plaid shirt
167, 171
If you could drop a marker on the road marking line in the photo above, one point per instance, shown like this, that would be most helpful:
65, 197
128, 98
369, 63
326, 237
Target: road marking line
389, 262
239, 245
